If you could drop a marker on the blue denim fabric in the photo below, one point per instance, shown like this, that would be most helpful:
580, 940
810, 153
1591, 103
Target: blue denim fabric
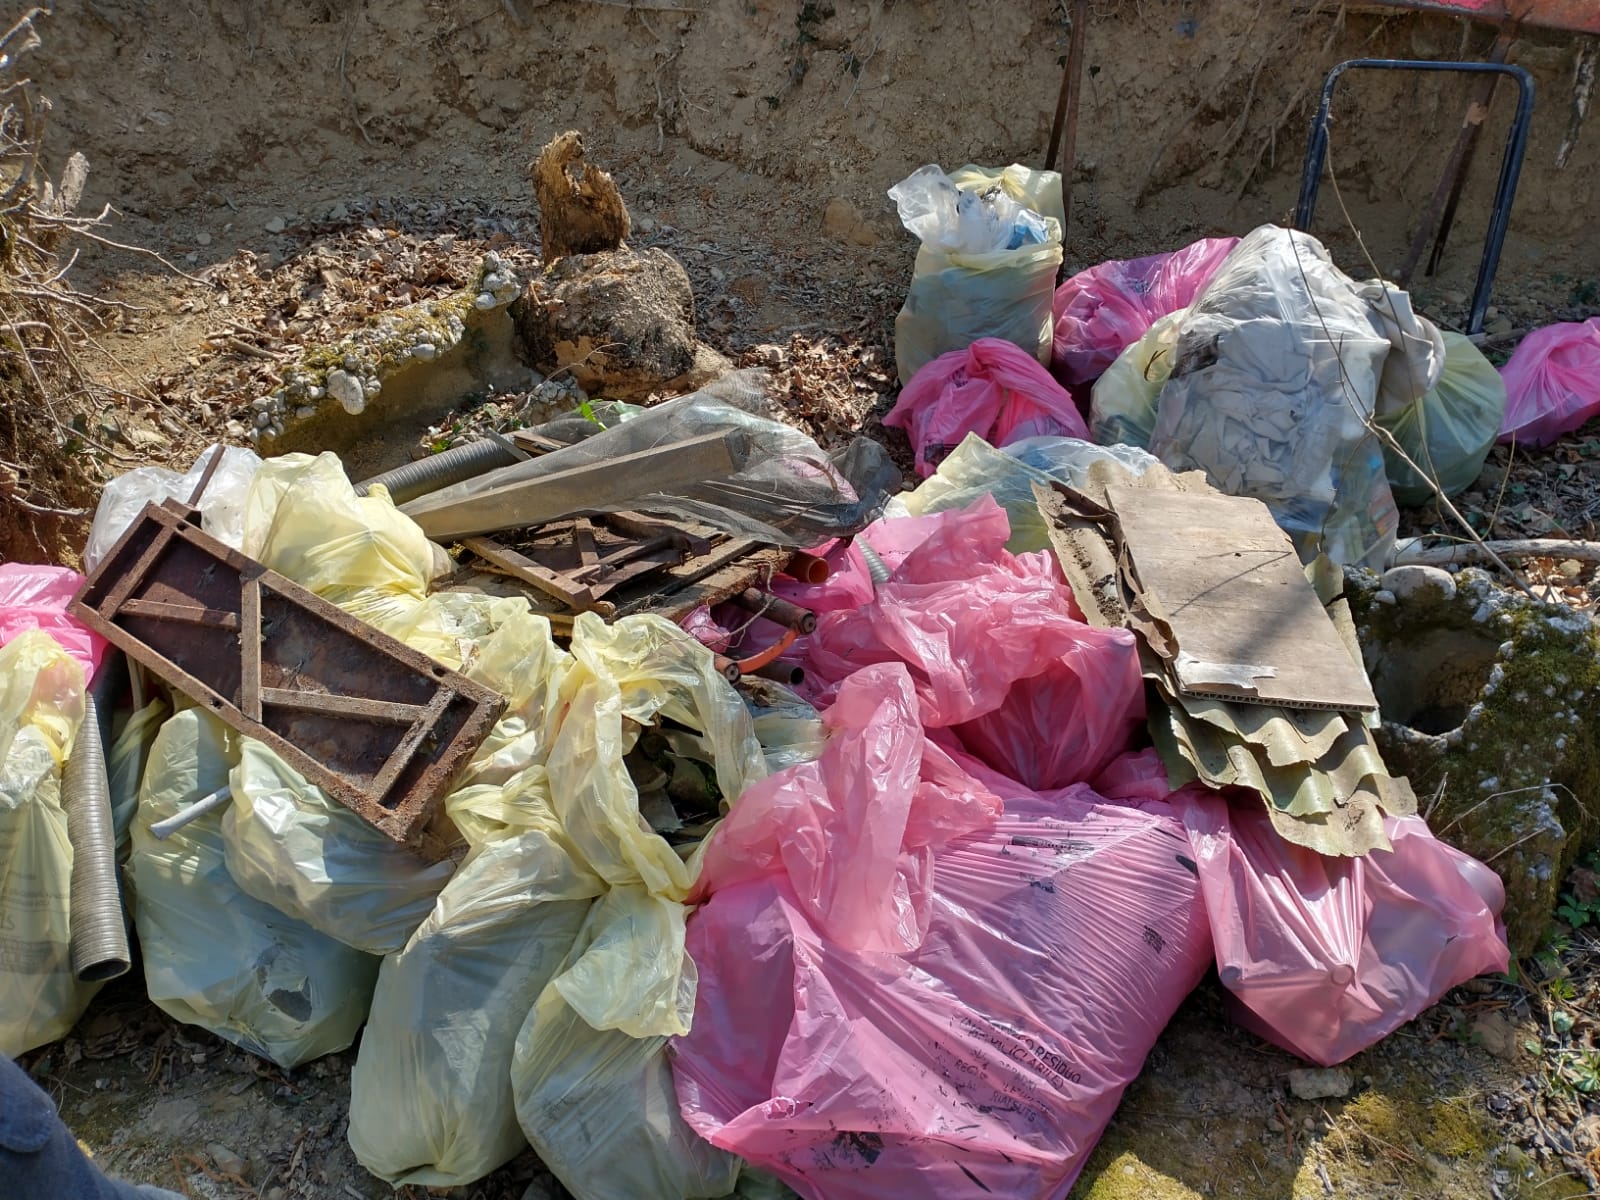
40, 1159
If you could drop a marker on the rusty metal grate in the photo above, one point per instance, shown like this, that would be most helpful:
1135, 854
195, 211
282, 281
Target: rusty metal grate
380, 727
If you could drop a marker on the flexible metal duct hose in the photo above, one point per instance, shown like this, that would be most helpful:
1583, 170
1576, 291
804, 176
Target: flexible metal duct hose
876, 567
440, 470
99, 935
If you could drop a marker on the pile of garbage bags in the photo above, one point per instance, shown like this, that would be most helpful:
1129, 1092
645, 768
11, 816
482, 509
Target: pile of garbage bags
948, 898
1255, 360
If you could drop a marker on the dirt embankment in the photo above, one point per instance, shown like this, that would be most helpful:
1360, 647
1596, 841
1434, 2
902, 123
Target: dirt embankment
1194, 115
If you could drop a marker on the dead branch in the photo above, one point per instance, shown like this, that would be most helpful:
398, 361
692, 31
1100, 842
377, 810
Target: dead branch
1463, 552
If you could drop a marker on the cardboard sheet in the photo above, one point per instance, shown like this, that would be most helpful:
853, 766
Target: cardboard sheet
1225, 582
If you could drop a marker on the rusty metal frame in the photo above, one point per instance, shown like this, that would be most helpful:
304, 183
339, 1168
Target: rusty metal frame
382, 728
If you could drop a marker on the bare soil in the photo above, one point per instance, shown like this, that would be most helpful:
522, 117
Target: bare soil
311, 163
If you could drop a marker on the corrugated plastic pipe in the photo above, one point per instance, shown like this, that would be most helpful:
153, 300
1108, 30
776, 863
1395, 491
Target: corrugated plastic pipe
876, 567
99, 935
441, 470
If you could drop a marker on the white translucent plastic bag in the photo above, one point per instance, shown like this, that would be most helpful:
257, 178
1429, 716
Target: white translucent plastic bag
41, 711
221, 504
1275, 372
213, 956
987, 264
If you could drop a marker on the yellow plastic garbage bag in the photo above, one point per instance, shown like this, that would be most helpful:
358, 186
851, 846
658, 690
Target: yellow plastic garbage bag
1448, 431
430, 1098
304, 520
1126, 397
626, 676
213, 956
288, 845
41, 709
598, 1105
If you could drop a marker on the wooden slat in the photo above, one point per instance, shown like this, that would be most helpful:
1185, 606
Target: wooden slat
250, 647
407, 749
187, 614
551, 583
389, 712
546, 498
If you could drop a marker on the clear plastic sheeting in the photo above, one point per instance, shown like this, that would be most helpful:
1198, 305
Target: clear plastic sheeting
1326, 956
290, 846
1276, 371
976, 469
221, 504
788, 492
213, 956
991, 245
1448, 431
41, 712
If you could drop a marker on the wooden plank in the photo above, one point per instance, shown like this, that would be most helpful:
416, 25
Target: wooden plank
658, 559
186, 614
389, 712
551, 583
640, 526
545, 498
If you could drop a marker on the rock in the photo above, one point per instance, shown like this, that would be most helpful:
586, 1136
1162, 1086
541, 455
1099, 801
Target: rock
770, 356
1498, 1036
169, 1118
424, 351
145, 439
1320, 1083
1453, 296
276, 225
225, 1159
346, 389
202, 238
843, 222
620, 323
1404, 582
1487, 701
1274, 1125
1499, 326
580, 209
1491, 313
339, 212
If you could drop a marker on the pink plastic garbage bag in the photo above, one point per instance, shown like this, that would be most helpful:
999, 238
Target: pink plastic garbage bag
1326, 956
998, 655
992, 389
983, 1062
36, 597
1102, 311
1552, 382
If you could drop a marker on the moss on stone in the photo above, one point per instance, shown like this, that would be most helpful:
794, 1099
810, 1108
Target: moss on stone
1508, 760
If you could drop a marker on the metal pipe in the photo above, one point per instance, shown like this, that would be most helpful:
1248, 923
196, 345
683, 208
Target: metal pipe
782, 672
441, 470
162, 830
775, 608
1510, 166
99, 945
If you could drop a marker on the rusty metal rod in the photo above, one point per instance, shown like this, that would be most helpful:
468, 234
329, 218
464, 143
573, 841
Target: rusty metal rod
775, 608
1066, 118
